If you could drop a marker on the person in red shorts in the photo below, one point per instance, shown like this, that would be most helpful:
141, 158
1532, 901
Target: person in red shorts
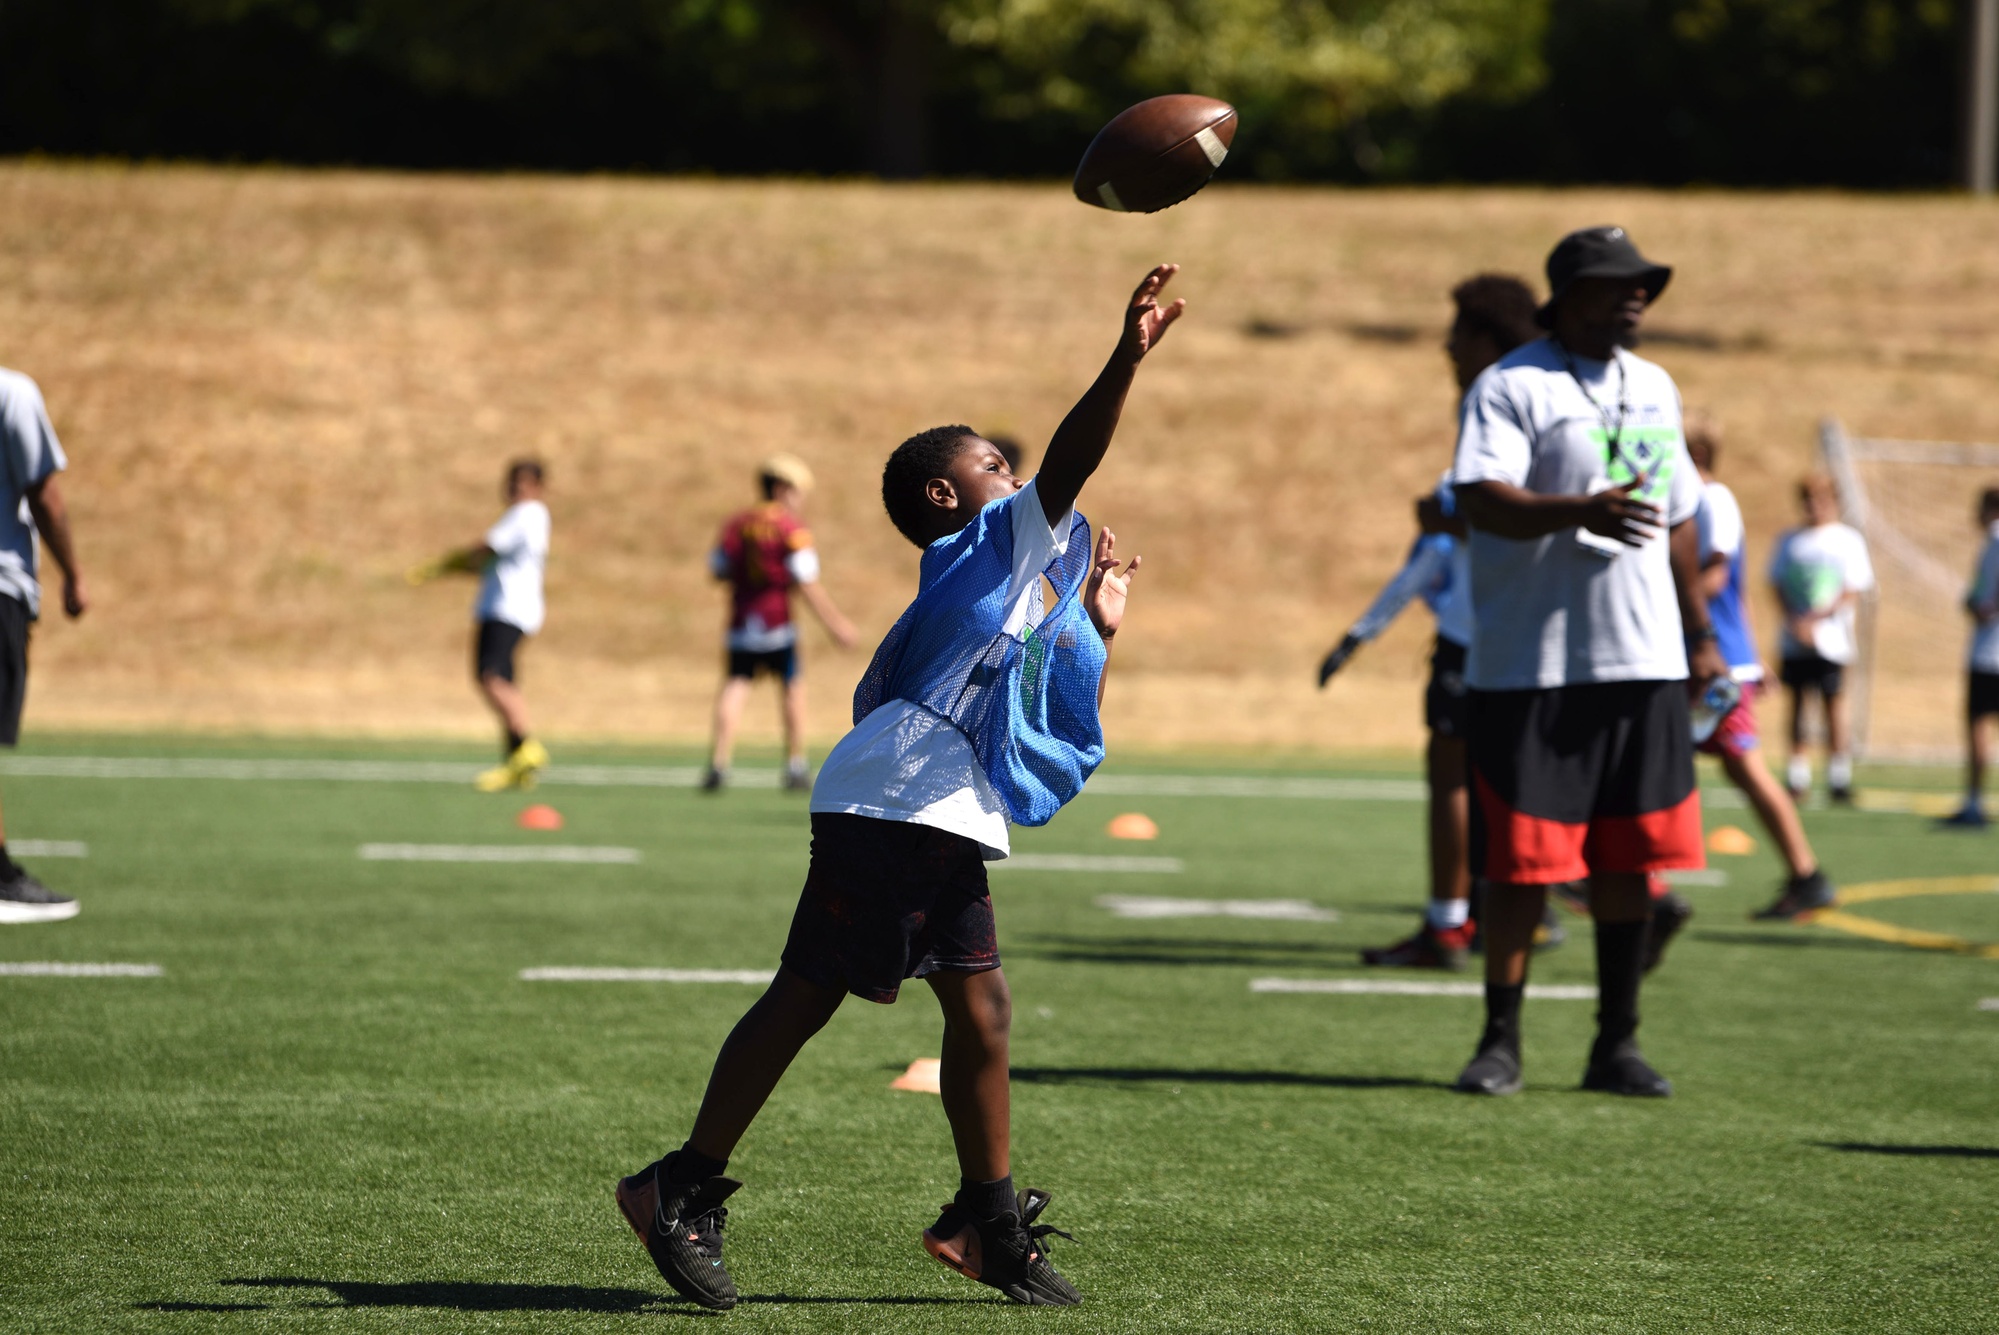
1736, 742
1587, 623
766, 555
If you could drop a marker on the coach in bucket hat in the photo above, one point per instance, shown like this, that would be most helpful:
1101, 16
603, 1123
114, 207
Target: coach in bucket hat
1598, 252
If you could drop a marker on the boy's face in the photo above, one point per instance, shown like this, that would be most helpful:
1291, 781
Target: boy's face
1471, 351
1820, 507
523, 487
977, 477
1988, 514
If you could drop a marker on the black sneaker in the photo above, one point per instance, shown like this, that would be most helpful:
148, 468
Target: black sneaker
1840, 797
1970, 816
1670, 912
712, 781
681, 1226
1802, 897
1495, 1070
25, 899
1622, 1070
797, 779
1006, 1253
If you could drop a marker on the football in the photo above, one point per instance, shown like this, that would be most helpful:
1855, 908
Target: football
1153, 155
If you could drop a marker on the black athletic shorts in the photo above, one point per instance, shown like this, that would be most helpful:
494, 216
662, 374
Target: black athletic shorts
1813, 673
494, 656
1446, 699
14, 627
1980, 699
886, 900
1572, 780
780, 663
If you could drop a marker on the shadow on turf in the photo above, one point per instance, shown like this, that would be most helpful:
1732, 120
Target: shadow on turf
466, 1296
1075, 1075
1913, 1151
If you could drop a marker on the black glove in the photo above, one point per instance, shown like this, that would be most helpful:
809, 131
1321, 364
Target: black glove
1337, 659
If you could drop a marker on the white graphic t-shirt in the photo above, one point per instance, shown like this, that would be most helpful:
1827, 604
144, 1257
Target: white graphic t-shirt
1812, 569
907, 763
1985, 592
1573, 608
29, 453
511, 588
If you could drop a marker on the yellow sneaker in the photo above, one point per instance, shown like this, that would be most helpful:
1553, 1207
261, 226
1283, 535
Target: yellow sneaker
495, 780
527, 758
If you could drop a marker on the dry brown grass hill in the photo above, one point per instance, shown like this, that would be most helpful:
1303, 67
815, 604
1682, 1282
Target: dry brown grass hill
279, 388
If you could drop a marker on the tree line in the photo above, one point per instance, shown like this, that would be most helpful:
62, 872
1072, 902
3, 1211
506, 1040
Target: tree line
1764, 92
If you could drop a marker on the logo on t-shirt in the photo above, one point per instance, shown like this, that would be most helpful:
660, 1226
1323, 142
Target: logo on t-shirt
1642, 450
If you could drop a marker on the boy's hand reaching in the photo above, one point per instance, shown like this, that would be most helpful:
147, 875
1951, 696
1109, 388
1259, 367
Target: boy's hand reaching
1145, 320
1105, 593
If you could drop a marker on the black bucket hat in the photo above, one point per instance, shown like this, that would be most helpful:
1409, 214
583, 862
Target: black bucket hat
1598, 252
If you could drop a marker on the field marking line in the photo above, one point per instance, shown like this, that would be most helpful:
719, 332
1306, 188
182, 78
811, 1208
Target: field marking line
1988, 1003
1396, 987
49, 848
567, 975
497, 853
1874, 929
1091, 862
1266, 910
1710, 876
1252, 786
56, 969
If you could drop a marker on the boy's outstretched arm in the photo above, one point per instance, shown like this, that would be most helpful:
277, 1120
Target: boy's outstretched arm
1104, 597
1079, 443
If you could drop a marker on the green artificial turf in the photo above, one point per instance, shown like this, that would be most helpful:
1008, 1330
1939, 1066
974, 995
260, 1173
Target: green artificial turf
340, 1109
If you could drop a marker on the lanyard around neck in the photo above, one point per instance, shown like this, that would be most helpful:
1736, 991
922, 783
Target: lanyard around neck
1613, 429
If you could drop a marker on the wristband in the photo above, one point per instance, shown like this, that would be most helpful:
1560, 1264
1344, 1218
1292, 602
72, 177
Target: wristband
1702, 635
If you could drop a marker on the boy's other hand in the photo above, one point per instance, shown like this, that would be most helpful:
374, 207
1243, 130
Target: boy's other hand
1145, 320
1612, 513
1337, 659
1105, 593
75, 601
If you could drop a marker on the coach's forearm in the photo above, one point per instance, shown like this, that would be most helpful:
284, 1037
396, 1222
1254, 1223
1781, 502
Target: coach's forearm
1079, 444
1507, 511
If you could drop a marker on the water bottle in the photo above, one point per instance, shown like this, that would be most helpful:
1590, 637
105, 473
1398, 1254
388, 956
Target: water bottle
1722, 695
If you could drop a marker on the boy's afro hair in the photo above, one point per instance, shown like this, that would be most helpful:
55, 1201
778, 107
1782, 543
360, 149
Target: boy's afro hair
1499, 306
925, 455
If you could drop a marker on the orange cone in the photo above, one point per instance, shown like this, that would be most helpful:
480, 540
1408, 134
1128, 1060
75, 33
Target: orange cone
1731, 840
539, 817
1132, 825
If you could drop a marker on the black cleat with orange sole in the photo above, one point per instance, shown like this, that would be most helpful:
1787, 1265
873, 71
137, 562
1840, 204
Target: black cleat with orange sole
1006, 1253
681, 1226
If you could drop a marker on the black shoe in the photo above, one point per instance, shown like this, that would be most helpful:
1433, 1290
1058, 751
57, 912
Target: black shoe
1970, 816
712, 781
1670, 912
25, 899
1802, 897
681, 1226
797, 779
1495, 1070
1006, 1252
1840, 797
1621, 1070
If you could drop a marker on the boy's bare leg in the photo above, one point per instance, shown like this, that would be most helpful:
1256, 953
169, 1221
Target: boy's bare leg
728, 716
506, 701
1798, 772
978, 1016
1977, 755
1512, 912
1450, 819
755, 1057
1774, 808
794, 723
1839, 745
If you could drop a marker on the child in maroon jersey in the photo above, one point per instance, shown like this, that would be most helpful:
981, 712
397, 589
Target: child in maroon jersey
766, 555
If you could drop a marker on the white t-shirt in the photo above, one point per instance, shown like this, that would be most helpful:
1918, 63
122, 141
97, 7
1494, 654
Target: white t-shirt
29, 453
904, 762
1985, 590
511, 588
1813, 568
1572, 608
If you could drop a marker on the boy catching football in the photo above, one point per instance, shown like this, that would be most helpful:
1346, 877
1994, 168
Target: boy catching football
979, 709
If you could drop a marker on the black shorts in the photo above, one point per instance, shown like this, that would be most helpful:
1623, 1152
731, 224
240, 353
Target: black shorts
494, 654
780, 663
1980, 699
886, 900
15, 623
1813, 673
1572, 780
1447, 699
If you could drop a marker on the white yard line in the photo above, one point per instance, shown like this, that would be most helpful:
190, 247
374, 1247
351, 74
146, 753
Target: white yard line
1712, 876
49, 848
562, 975
52, 969
1988, 1003
1282, 910
1258, 786
496, 853
1395, 987
1087, 862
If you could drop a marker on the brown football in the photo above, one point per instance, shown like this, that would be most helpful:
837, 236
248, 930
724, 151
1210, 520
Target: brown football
1153, 155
